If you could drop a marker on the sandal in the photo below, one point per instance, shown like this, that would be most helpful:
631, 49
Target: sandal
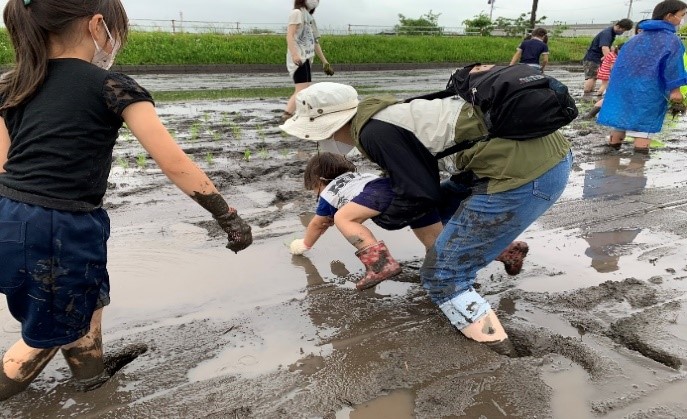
513, 257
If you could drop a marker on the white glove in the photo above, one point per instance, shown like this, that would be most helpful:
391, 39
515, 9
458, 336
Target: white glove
298, 247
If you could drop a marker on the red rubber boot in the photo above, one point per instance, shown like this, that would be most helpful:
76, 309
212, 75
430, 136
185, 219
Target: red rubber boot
513, 257
379, 264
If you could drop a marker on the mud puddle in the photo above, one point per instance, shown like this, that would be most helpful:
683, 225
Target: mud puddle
598, 313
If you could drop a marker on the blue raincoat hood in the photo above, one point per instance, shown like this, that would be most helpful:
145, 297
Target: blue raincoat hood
657, 25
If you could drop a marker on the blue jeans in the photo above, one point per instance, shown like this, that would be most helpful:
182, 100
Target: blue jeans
482, 227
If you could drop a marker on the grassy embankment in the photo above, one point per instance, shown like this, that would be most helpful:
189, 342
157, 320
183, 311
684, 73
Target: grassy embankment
158, 48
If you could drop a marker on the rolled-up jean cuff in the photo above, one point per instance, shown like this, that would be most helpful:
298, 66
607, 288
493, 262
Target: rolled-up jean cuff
465, 308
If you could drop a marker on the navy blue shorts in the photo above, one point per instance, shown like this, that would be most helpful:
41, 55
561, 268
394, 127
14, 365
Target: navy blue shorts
53, 271
377, 195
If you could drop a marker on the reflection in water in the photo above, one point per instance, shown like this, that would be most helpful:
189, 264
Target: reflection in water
615, 176
603, 247
339, 269
612, 177
312, 275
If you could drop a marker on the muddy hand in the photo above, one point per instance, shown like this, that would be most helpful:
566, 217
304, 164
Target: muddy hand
677, 108
238, 231
328, 70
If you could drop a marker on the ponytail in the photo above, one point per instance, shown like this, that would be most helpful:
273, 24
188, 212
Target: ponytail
30, 43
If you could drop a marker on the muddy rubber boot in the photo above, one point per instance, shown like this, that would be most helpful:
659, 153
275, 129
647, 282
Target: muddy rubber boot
513, 257
379, 265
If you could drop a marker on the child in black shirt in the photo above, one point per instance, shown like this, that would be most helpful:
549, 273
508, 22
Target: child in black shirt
60, 112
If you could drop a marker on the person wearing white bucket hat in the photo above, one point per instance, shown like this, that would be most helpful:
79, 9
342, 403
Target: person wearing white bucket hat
505, 185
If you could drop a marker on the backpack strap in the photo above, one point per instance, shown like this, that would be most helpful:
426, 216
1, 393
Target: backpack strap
461, 146
451, 88
441, 94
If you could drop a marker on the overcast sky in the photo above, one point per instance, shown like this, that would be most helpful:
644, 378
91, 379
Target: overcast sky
340, 13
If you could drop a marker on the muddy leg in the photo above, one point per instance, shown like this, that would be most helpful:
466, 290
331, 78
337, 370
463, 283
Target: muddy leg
589, 85
291, 104
90, 369
642, 145
85, 356
21, 364
616, 139
428, 235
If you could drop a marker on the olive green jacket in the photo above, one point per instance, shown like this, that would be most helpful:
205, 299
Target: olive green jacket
508, 164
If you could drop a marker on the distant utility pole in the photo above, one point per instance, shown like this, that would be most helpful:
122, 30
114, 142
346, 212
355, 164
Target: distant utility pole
491, 9
629, 10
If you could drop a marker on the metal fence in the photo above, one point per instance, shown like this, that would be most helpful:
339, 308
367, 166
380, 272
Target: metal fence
191, 26
234, 28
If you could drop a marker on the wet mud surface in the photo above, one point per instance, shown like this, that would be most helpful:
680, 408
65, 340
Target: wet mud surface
597, 314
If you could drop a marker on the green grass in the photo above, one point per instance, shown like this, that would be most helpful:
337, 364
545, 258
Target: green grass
164, 48
161, 48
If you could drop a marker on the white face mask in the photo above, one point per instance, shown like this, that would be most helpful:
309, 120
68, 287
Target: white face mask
333, 146
311, 4
102, 58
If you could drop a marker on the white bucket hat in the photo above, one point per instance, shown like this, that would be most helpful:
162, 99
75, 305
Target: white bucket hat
321, 109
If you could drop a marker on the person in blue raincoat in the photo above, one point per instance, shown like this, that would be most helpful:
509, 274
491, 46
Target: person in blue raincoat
646, 77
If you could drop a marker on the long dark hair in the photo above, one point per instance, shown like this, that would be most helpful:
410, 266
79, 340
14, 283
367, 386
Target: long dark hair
323, 168
667, 7
30, 27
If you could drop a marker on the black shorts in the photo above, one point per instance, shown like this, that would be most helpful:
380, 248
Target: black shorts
303, 74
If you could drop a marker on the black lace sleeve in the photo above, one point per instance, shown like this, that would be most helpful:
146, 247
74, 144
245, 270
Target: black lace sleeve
121, 91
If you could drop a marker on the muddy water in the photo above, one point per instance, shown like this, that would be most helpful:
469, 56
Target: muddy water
598, 313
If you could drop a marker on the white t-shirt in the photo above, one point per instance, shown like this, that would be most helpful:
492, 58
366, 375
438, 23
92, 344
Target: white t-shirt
306, 37
345, 187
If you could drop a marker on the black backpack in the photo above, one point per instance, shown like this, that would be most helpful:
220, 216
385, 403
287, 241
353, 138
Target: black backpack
518, 102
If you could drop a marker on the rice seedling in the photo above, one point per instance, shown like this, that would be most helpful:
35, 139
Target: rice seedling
141, 160
122, 162
235, 130
195, 131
